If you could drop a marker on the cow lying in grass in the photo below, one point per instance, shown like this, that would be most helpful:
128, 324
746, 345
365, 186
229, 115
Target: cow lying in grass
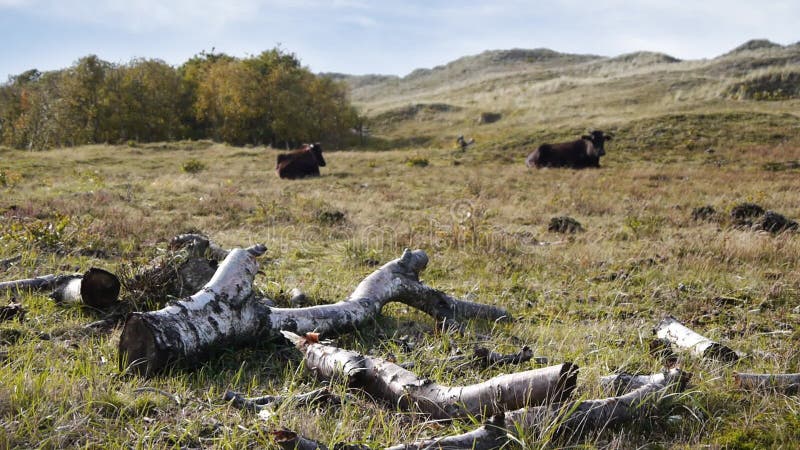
301, 163
585, 152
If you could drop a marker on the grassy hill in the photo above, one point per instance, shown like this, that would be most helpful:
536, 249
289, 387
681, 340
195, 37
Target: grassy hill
689, 134
545, 92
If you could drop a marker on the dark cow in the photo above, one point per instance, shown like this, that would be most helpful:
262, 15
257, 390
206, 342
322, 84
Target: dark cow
301, 163
585, 152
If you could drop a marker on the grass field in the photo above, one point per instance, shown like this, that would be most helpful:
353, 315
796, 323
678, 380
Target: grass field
591, 298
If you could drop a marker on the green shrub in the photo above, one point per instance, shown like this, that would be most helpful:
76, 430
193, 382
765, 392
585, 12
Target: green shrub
417, 161
193, 166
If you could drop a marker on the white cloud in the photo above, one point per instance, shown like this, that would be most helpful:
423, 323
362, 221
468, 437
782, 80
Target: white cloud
142, 15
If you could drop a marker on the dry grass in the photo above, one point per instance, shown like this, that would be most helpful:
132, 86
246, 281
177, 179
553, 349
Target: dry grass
590, 297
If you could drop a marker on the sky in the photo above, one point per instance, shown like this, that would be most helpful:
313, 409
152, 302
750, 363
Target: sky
378, 36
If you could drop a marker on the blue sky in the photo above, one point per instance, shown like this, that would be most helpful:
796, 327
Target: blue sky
390, 37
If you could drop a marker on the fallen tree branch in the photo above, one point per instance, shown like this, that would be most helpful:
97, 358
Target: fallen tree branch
786, 383
321, 395
683, 337
96, 287
571, 420
398, 386
226, 313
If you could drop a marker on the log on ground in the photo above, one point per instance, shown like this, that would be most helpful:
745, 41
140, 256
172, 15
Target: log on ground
785, 383
683, 337
568, 421
96, 287
226, 313
398, 386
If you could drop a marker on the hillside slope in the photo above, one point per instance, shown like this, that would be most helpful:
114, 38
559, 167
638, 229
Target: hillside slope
541, 89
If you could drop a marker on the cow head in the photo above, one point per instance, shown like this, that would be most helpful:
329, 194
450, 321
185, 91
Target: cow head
316, 152
598, 138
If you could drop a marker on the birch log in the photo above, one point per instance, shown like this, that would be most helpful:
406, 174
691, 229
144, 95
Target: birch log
786, 383
225, 313
398, 386
96, 287
683, 337
568, 421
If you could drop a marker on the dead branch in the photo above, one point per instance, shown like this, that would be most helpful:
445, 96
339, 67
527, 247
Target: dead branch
489, 358
189, 264
11, 311
321, 395
226, 313
398, 386
96, 287
683, 337
786, 383
571, 420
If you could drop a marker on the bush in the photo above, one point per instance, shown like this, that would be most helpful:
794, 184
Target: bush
417, 161
193, 166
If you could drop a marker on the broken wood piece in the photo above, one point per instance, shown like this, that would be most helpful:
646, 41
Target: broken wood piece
490, 358
681, 336
225, 313
321, 395
11, 311
786, 383
198, 246
187, 330
622, 383
37, 284
96, 287
191, 261
570, 421
398, 386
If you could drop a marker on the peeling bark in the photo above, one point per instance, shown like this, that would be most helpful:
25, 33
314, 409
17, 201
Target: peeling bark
568, 421
96, 287
683, 337
225, 313
221, 313
786, 383
398, 386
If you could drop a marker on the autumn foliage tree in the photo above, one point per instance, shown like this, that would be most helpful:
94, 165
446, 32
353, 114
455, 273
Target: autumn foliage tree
266, 99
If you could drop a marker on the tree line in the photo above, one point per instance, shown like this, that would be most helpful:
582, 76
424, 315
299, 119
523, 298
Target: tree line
266, 99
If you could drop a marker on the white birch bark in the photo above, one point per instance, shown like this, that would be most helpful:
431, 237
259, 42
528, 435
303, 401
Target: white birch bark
224, 313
